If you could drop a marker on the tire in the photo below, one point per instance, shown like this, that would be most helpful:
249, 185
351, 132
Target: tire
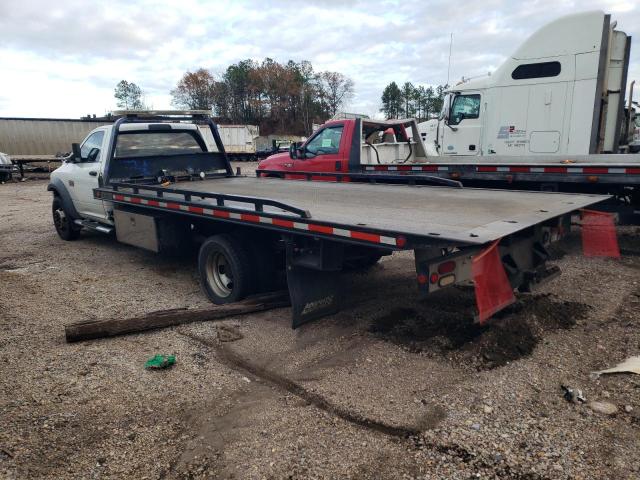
225, 269
63, 222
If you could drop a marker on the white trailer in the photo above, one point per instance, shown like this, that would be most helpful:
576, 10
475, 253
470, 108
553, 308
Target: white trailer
240, 141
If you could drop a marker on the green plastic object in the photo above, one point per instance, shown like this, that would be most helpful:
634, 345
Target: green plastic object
160, 361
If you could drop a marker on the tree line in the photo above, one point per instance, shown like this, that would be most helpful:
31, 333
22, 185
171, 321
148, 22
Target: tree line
410, 101
277, 97
282, 97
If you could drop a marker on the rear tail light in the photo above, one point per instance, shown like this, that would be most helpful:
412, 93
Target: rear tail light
434, 278
446, 267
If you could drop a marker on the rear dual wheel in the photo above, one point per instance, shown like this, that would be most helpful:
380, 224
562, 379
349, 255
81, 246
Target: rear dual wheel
224, 267
232, 267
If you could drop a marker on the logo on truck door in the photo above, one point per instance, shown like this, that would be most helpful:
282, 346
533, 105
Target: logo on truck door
507, 132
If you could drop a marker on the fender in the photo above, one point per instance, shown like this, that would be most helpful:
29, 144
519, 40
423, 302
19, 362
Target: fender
57, 186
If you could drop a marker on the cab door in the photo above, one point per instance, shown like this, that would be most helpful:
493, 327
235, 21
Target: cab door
462, 134
325, 151
83, 176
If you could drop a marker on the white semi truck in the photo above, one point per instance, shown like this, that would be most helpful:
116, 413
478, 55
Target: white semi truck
560, 93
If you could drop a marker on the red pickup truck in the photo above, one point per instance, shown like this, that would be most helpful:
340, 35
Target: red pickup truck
347, 149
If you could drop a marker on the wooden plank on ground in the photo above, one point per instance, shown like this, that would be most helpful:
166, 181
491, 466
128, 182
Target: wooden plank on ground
110, 327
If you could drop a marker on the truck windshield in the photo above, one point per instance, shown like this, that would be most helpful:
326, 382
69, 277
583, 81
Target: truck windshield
147, 144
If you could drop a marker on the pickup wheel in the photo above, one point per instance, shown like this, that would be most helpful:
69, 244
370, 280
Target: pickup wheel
65, 227
225, 269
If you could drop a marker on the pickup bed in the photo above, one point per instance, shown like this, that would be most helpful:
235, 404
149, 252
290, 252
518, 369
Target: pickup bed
253, 231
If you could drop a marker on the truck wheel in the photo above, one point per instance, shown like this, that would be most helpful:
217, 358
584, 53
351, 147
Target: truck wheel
65, 227
225, 269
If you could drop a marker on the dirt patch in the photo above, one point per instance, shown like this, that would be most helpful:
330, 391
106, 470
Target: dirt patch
511, 335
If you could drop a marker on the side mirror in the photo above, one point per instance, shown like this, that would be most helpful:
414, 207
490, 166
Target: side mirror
296, 150
93, 154
76, 156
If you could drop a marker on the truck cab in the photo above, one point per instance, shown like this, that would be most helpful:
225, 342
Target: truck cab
560, 93
135, 151
342, 145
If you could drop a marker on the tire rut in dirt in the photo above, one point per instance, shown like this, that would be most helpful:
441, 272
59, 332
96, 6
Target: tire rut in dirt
237, 363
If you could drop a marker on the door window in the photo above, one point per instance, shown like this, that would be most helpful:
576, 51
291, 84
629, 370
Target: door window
464, 107
326, 141
94, 141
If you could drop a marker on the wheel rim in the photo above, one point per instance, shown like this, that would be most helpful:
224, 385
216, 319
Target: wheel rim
219, 275
59, 219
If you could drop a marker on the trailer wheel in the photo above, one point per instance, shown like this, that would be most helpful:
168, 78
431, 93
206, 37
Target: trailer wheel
224, 267
65, 227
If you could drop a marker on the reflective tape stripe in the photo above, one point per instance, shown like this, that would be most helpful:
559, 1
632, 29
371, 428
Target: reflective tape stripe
282, 223
369, 237
511, 169
254, 218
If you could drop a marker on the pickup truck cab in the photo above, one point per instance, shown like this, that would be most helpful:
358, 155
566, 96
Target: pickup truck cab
344, 145
139, 151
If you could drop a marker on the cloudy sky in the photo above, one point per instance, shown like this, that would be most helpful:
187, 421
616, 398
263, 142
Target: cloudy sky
63, 58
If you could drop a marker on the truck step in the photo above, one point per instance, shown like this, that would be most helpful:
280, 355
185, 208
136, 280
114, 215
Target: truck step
91, 225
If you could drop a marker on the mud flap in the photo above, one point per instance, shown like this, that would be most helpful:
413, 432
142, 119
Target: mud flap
314, 294
492, 287
599, 237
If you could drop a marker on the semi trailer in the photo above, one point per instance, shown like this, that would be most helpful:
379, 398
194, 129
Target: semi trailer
152, 182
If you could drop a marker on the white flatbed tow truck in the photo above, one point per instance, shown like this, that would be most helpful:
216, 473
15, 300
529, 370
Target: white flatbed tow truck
151, 180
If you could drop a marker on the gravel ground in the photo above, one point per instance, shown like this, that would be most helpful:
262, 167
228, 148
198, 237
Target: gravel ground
392, 387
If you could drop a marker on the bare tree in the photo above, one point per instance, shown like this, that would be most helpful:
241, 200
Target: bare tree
128, 96
195, 90
337, 90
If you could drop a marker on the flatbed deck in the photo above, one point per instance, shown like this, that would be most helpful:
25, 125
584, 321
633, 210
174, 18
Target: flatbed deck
465, 216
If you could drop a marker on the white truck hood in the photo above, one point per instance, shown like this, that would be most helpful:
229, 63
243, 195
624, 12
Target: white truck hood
4, 159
